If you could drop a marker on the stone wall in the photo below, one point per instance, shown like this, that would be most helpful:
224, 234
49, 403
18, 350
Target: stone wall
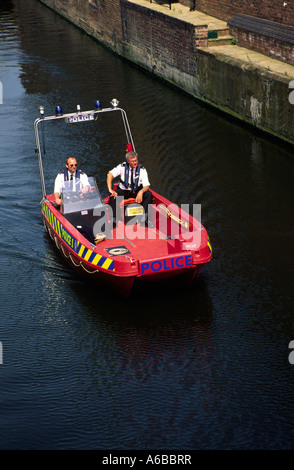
161, 43
157, 42
243, 90
101, 19
168, 48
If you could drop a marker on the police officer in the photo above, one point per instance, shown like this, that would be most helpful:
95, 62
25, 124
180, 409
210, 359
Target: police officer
134, 182
71, 172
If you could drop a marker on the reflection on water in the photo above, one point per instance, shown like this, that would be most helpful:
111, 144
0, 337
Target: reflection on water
204, 367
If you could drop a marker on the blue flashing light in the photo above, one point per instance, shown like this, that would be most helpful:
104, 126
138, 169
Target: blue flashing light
98, 104
58, 111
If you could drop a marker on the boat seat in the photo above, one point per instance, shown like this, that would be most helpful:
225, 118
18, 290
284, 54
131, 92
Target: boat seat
132, 211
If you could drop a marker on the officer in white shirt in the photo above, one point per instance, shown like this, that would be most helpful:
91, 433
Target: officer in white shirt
134, 182
71, 172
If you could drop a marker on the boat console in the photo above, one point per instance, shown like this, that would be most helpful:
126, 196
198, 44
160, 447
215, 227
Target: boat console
83, 207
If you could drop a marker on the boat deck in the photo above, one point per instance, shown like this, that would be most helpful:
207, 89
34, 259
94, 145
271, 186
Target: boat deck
134, 238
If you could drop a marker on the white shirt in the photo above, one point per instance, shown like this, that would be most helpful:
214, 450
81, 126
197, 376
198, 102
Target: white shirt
59, 181
119, 170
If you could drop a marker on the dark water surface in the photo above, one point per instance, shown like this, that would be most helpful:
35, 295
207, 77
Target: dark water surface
201, 368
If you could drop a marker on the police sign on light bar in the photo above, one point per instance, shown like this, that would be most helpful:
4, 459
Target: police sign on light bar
81, 118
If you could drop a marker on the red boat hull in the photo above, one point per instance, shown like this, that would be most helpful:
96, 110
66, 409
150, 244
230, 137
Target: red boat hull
125, 261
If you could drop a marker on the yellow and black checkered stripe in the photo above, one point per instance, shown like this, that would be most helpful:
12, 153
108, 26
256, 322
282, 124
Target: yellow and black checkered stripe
209, 246
94, 258
81, 250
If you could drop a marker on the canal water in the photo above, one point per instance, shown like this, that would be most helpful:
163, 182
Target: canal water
205, 367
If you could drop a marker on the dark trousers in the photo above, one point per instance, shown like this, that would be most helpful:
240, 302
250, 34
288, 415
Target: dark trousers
147, 199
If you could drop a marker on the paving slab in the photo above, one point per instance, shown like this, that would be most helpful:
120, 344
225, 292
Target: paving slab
250, 57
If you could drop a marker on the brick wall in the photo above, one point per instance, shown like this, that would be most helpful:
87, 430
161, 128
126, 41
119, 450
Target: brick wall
272, 10
162, 38
100, 18
120, 24
188, 3
269, 46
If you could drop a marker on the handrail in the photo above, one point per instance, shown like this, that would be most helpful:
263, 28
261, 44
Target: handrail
76, 114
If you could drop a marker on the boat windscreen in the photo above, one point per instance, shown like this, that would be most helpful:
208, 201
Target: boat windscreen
80, 195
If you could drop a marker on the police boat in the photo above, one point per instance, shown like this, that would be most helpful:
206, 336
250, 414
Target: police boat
171, 244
